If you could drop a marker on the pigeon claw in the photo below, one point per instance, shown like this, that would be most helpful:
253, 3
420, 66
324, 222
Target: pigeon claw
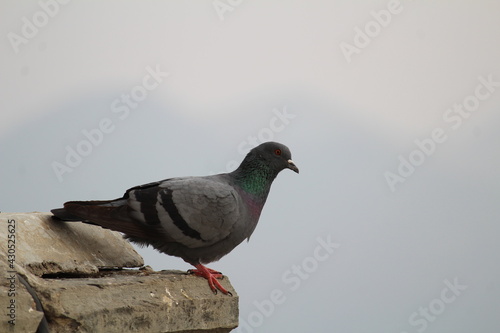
211, 276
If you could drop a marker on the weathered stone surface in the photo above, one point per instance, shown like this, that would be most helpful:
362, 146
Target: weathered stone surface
62, 264
42, 243
169, 301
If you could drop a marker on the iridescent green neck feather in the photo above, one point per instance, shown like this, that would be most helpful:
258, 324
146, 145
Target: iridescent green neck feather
255, 178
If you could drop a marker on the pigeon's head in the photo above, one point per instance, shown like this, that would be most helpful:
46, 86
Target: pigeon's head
277, 155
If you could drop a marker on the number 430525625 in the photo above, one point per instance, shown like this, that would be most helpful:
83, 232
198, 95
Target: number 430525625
11, 243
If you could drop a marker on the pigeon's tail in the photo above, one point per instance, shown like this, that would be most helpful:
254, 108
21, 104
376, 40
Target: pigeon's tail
112, 214
63, 215
86, 211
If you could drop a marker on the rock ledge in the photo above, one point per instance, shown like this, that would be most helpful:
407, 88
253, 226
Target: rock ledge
74, 277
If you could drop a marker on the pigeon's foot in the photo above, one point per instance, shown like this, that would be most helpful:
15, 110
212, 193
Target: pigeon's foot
211, 276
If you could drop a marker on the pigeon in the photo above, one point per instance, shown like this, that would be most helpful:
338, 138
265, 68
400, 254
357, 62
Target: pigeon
199, 219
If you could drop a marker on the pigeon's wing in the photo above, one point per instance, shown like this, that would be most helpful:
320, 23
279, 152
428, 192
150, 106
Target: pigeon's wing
194, 211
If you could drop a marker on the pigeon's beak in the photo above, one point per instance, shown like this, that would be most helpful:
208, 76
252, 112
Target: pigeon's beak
292, 166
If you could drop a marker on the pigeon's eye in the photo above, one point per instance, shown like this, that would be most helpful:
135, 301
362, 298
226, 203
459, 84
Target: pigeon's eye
277, 152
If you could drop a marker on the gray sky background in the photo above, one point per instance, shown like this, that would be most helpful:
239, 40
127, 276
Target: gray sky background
358, 91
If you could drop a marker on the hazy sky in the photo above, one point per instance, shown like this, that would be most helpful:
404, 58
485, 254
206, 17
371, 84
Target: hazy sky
390, 109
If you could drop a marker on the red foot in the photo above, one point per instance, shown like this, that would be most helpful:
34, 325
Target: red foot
211, 276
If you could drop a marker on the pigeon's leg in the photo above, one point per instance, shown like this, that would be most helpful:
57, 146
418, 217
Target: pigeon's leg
211, 276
